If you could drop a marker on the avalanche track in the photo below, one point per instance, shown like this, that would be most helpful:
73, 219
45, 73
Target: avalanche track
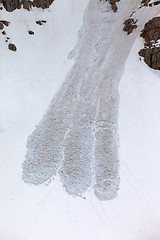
77, 136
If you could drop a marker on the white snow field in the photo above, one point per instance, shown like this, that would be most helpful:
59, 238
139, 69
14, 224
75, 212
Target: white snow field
29, 78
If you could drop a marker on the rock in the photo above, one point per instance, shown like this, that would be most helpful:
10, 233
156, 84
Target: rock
151, 57
31, 32
1, 26
11, 5
151, 50
114, 7
113, 4
148, 3
39, 22
27, 4
12, 47
42, 3
6, 23
151, 31
129, 25
4, 33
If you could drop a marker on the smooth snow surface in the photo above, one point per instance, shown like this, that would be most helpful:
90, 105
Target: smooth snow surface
28, 80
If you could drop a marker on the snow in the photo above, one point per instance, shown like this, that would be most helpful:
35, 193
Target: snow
139, 142
27, 85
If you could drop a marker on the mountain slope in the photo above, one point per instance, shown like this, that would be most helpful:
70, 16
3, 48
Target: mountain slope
31, 77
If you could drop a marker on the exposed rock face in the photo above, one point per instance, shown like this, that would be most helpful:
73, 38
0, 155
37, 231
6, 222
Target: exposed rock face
129, 25
148, 3
11, 5
1, 26
6, 23
113, 4
151, 51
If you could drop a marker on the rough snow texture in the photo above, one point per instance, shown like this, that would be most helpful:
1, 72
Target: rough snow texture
77, 137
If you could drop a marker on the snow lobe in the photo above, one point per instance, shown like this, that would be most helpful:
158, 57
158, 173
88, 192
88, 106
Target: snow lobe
77, 137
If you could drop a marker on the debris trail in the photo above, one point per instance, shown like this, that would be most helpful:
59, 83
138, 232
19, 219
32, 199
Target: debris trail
78, 135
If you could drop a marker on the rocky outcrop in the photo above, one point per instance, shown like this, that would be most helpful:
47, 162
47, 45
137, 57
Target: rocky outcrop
11, 5
151, 50
113, 4
1, 26
148, 3
130, 25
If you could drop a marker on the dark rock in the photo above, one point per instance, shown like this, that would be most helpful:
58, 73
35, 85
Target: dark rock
27, 4
4, 33
148, 3
42, 3
31, 32
151, 57
1, 26
6, 23
11, 5
41, 22
145, 2
151, 31
114, 7
151, 50
129, 25
12, 47
113, 4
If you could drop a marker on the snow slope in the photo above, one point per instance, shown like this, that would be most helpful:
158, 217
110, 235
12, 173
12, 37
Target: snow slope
27, 84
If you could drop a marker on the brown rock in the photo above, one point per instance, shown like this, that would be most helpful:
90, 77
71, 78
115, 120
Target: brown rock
39, 22
151, 50
1, 26
151, 57
31, 32
114, 7
113, 4
27, 4
12, 47
129, 25
4, 33
6, 23
11, 5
